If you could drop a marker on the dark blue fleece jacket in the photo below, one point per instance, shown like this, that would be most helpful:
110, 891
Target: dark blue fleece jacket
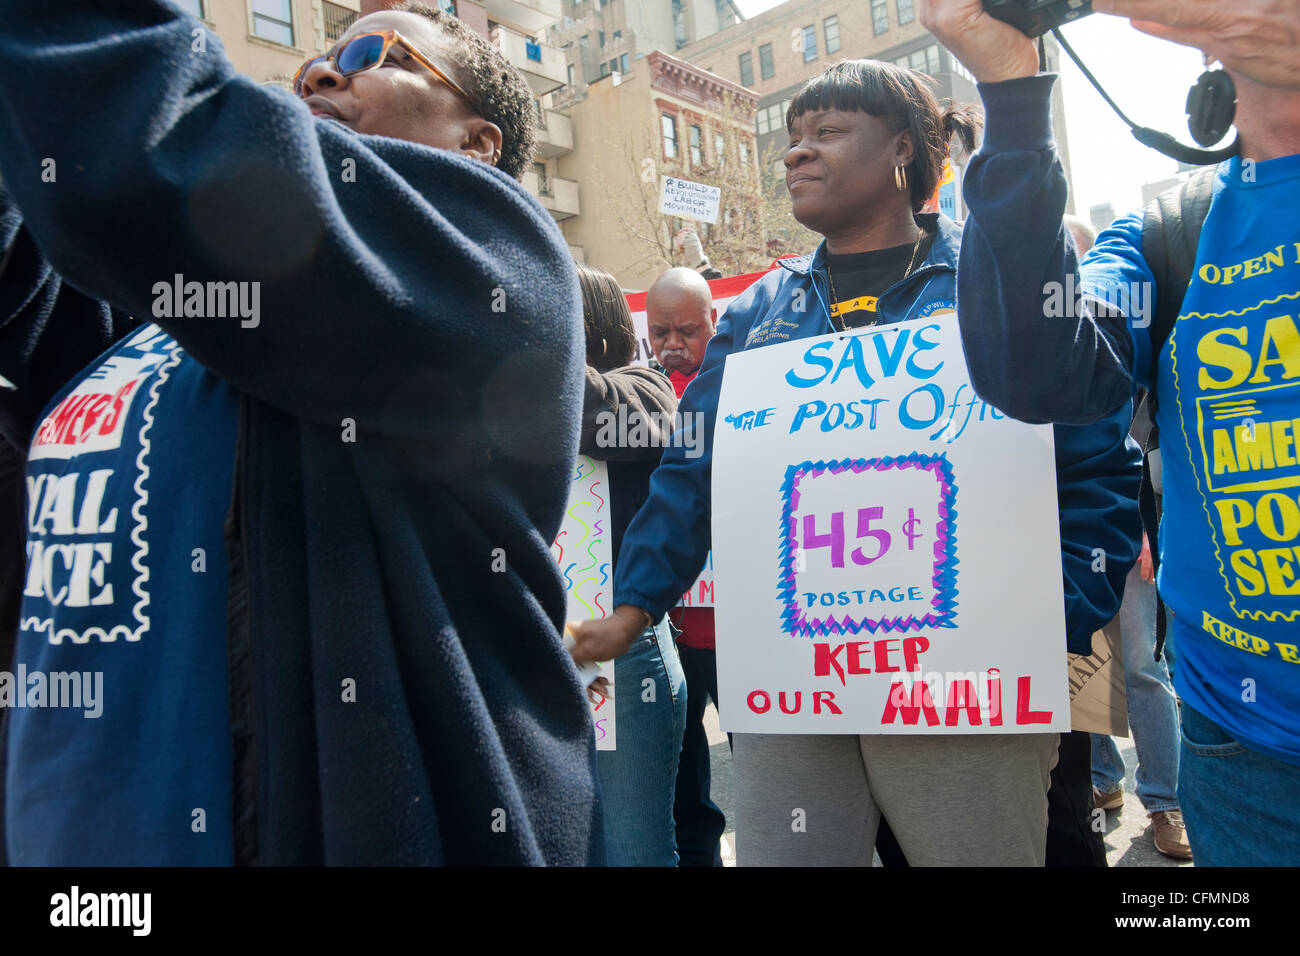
372, 558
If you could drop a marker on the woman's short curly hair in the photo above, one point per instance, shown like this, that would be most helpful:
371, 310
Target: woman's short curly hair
496, 89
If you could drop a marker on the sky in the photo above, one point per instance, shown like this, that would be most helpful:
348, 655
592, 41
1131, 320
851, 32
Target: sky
1147, 78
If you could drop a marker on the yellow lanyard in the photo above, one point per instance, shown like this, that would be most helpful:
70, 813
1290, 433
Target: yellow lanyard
863, 303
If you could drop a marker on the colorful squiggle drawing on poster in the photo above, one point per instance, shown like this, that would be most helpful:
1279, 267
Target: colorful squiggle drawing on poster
795, 620
582, 552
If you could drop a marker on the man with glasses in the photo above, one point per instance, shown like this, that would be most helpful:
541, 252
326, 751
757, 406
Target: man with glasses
297, 525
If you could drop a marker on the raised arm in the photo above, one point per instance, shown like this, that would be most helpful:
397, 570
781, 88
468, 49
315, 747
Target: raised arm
48, 330
390, 281
1033, 349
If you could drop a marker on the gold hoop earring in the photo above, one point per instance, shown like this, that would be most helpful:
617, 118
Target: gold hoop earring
603, 348
496, 156
900, 178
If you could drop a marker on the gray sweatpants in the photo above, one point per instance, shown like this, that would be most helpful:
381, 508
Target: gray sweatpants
952, 800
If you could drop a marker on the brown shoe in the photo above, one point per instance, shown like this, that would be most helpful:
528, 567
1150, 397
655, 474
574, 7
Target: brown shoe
1111, 800
1171, 834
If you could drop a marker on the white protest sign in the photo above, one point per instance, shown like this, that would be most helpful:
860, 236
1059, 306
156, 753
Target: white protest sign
681, 197
582, 550
886, 544
700, 593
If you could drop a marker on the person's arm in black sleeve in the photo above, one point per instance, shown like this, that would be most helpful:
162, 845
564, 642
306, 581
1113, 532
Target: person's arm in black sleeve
650, 403
1033, 349
48, 330
381, 267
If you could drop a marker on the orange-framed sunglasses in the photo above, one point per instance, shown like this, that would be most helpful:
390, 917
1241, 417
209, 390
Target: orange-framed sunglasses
367, 51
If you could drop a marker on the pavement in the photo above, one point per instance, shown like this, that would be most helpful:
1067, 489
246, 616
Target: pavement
1128, 831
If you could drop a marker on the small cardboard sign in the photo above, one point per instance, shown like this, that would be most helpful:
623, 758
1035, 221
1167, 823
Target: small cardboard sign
681, 197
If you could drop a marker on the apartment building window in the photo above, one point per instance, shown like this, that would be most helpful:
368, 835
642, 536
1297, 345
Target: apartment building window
831, 27
618, 34
905, 14
955, 66
573, 74
719, 150
766, 68
669, 126
543, 184
604, 69
622, 62
809, 44
925, 60
582, 40
879, 16
697, 146
746, 69
192, 7
541, 114
448, 7
770, 119
744, 154
337, 20
601, 34
533, 49
273, 20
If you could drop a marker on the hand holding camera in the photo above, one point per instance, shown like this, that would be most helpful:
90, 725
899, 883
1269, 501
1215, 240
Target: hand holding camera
991, 49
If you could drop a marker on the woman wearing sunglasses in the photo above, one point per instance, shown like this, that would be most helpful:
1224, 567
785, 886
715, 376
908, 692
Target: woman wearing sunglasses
302, 533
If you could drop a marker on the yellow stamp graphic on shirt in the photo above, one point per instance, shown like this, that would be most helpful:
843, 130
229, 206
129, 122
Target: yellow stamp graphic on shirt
1244, 383
1245, 446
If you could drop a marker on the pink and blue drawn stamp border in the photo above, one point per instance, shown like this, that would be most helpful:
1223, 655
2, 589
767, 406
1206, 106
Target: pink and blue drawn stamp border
944, 580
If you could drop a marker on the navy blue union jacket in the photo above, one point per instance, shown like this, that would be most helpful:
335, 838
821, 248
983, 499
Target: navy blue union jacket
372, 557
1098, 469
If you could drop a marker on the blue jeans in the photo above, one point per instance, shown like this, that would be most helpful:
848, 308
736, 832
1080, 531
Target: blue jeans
1240, 806
1152, 707
639, 777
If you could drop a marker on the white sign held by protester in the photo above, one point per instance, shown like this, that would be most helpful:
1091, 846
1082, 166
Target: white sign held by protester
582, 550
887, 549
681, 197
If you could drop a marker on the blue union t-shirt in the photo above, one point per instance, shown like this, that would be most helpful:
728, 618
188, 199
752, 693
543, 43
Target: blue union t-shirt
129, 482
1228, 383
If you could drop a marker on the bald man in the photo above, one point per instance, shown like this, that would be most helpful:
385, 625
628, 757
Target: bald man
679, 314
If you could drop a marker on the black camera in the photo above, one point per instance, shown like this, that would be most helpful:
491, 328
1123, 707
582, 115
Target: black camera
1035, 17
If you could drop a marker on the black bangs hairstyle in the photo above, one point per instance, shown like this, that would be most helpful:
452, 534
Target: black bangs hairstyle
611, 336
497, 91
904, 101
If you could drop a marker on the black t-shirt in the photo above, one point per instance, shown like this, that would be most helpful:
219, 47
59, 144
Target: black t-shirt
858, 278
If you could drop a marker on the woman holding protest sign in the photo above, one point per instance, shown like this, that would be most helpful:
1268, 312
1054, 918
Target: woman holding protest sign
868, 143
638, 776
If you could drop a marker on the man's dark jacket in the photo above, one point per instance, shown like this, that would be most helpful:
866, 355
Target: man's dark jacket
419, 296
